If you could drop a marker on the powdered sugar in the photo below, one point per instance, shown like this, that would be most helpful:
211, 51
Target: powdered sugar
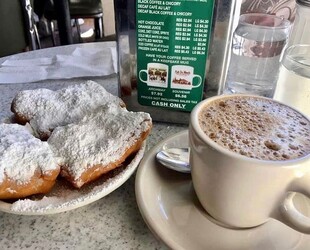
63, 197
119, 123
21, 154
99, 138
47, 109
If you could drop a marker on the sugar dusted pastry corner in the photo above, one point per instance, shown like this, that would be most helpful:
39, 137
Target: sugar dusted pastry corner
27, 165
100, 142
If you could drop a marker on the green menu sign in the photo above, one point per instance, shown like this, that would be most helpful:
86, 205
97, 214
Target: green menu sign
172, 47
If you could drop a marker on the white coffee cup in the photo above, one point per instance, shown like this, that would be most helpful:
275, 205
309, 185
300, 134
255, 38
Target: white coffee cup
243, 192
157, 75
182, 77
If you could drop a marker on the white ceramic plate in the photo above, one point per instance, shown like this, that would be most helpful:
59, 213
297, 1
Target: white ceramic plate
169, 206
63, 197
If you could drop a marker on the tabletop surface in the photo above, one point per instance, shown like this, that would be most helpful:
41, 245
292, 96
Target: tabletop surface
113, 222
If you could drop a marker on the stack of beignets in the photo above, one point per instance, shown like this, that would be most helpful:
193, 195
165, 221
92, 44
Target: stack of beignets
89, 132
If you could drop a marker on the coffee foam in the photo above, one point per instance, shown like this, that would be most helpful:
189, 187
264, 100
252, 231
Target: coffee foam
256, 127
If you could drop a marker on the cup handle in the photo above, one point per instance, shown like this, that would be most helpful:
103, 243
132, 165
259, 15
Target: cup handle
200, 81
290, 215
142, 70
296, 219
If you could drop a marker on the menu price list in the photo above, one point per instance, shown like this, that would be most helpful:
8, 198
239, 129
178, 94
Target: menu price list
173, 34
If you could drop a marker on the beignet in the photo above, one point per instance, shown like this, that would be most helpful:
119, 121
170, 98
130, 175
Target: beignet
27, 165
46, 109
100, 142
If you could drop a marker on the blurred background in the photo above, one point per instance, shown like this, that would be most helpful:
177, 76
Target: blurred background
35, 24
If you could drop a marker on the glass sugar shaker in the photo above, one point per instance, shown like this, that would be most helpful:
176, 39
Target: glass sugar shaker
300, 32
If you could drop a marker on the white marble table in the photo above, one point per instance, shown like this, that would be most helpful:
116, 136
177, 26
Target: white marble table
113, 222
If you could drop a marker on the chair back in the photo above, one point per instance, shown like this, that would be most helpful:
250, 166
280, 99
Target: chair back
13, 38
16, 26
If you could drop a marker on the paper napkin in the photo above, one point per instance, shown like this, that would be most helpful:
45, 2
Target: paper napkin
83, 62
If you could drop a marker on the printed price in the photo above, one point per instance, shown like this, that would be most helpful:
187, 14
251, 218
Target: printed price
181, 96
153, 93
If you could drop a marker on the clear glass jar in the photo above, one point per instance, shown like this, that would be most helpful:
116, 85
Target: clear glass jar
300, 31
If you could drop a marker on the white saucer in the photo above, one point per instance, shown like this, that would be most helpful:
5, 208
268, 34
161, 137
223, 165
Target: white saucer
170, 208
64, 197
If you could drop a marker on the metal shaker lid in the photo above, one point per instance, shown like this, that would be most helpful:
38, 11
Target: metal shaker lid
304, 2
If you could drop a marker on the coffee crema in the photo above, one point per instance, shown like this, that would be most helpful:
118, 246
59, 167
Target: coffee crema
256, 127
